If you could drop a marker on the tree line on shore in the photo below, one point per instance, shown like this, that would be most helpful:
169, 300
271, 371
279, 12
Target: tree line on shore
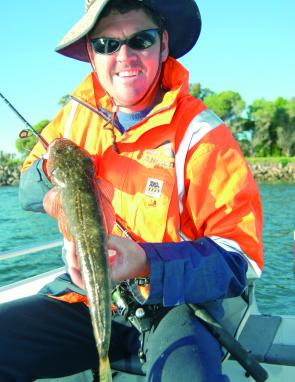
263, 129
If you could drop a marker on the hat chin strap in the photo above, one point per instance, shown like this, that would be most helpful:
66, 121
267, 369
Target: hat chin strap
146, 94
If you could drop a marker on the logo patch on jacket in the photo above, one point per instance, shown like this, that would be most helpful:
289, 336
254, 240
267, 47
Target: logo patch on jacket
154, 187
161, 156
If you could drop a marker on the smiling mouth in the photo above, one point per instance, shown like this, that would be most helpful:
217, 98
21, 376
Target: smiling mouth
128, 73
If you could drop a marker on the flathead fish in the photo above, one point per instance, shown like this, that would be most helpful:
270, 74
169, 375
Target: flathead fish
73, 173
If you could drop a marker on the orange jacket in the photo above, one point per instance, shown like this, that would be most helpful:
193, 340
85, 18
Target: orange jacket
178, 174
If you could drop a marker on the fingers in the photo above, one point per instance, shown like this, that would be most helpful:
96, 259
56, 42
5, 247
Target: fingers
76, 277
52, 205
73, 264
70, 256
112, 256
127, 259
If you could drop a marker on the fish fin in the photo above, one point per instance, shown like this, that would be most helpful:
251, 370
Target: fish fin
51, 202
63, 226
105, 192
105, 372
52, 205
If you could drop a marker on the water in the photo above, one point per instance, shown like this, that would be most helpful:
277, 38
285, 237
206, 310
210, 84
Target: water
21, 229
275, 291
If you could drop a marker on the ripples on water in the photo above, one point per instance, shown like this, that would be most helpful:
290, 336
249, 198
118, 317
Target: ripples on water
275, 291
21, 229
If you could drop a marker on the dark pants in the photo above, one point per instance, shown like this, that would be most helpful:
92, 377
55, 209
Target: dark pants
41, 337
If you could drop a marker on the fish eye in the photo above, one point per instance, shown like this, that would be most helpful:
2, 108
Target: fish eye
87, 161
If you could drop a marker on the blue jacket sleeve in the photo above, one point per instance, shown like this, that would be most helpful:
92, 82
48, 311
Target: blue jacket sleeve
193, 272
33, 186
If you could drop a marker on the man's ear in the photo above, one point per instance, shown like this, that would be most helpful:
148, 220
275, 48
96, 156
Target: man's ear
165, 46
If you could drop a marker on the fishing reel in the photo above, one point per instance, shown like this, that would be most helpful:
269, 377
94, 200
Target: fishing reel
140, 316
122, 299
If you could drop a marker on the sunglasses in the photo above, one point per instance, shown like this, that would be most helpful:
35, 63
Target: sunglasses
138, 41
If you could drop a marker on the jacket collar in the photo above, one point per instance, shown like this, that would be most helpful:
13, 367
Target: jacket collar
174, 81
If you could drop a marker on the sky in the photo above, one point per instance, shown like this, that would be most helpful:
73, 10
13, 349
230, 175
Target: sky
245, 46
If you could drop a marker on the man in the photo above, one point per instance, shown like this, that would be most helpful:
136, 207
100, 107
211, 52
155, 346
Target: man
188, 210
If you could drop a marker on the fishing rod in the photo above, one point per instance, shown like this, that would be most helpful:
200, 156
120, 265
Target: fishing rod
24, 133
245, 358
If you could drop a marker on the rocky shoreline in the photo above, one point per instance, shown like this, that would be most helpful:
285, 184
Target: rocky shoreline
274, 173
9, 176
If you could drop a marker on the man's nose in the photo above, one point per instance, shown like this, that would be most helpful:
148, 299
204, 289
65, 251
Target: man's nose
125, 53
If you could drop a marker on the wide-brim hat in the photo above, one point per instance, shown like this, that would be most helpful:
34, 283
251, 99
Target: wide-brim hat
182, 22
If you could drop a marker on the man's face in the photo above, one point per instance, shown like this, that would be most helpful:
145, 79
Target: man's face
128, 73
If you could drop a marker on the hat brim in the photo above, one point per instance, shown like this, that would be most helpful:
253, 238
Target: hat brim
182, 22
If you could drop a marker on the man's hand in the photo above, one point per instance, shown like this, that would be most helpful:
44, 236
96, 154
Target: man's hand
52, 205
127, 260
72, 263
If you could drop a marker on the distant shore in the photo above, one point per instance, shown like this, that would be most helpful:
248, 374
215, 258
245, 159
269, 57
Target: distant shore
263, 171
274, 173
9, 175
273, 169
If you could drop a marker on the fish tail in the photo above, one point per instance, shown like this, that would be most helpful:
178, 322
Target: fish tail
105, 372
